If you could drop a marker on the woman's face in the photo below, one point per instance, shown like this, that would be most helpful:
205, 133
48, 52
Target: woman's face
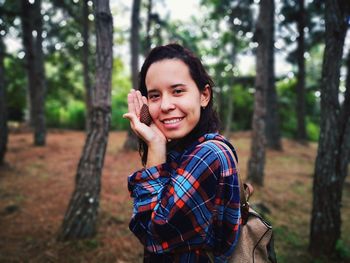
174, 99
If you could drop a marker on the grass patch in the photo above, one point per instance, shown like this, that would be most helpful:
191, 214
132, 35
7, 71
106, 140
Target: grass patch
342, 250
85, 245
289, 237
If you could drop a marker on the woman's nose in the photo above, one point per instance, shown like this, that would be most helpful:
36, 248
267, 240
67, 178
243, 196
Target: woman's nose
167, 104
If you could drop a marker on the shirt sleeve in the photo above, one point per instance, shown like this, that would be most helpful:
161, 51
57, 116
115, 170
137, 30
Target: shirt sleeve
174, 207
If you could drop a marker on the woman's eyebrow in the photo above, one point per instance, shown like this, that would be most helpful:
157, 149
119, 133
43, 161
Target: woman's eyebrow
177, 85
171, 86
152, 90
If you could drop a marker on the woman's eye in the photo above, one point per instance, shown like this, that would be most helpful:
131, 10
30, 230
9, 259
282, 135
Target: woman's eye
153, 96
178, 91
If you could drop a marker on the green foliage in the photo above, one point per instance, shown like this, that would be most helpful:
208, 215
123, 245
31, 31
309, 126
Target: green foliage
313, 130
64, 78
287, 109
290, 14
243, 102
121, 85
225, 33
16, 83
290, 238
119, 107
242, 107
286, 94
66, 109
65, 105
72, 116
53, 113
342, 249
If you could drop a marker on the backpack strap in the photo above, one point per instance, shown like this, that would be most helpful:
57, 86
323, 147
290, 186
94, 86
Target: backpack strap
245, 189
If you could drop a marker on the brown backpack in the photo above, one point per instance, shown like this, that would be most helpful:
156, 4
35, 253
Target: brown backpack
255, 241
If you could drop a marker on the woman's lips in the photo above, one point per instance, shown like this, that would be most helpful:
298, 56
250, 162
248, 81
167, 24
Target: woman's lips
172, 123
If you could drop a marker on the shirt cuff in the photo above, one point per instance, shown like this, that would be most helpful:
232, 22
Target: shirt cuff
148, 181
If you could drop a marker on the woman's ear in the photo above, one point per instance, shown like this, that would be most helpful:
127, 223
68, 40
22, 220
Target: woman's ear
205, 95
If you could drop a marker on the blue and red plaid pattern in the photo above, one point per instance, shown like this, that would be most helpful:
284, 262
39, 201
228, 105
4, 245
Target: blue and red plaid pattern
188, 205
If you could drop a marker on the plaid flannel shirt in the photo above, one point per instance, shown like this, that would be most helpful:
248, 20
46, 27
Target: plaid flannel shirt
188, 205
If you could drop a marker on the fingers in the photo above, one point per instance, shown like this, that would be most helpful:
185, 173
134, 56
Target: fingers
131, 103
135, 102
136, 125
139, 98
144, 100
133, 121
131, 117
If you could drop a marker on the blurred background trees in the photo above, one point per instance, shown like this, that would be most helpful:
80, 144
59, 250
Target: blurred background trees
3, 110
333, 156
32, 37
264, 91
222, 35
47, 61
81, 215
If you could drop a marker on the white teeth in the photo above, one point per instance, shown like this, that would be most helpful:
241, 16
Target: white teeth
172, 121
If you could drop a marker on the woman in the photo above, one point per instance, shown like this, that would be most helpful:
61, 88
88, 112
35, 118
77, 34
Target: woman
186, 198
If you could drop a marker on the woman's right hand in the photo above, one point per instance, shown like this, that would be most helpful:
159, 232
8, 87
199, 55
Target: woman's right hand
151, 135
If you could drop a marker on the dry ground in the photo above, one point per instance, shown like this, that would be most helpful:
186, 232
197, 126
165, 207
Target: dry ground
37, 182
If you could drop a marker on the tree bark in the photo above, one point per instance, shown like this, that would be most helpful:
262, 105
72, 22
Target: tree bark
80, 218
345, 126
86, 68
135, 43
300, 88
148, 27
230, 107
32, 42
3, 112
229, 115
330, 167
131, 142
272, 128
256, 163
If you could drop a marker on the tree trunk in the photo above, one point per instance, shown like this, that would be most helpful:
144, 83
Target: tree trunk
135, 43
131, 140
148, 27
219, 104
330, 167
80, 218
32, 42
256, 164
300, 88
345, 126
86, 68
230, 107
229, 115
3, 114
272, 128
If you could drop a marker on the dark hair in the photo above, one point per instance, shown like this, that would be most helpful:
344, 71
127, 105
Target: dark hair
208, 122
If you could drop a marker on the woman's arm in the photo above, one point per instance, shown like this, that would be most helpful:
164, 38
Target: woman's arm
178, 208
151, 135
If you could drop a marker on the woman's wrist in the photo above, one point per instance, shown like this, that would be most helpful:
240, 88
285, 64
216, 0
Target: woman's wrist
156, 154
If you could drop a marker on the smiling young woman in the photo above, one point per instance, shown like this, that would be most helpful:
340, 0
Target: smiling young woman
186, 198
174, 99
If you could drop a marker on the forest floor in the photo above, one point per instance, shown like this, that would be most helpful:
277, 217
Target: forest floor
36, 185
